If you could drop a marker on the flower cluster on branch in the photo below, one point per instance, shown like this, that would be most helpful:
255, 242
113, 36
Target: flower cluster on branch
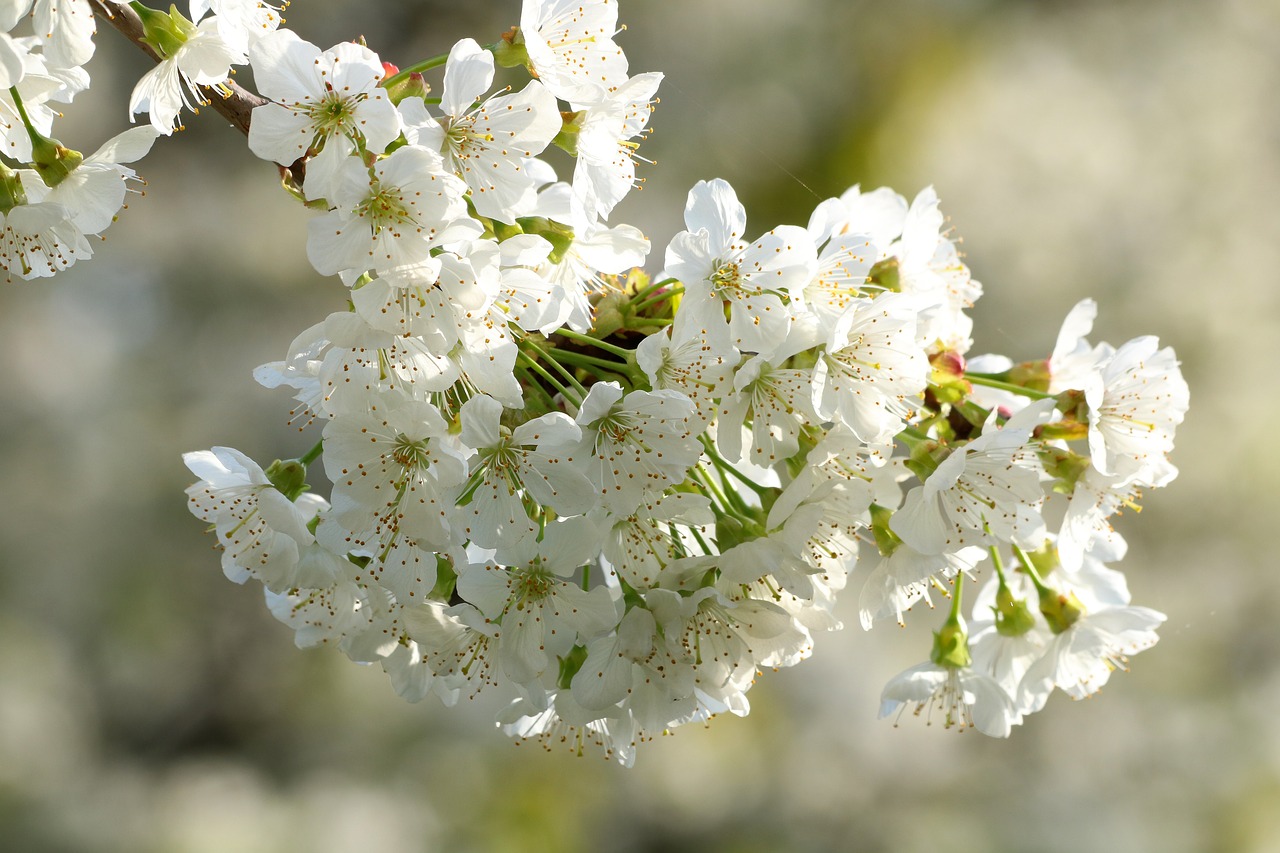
618, 497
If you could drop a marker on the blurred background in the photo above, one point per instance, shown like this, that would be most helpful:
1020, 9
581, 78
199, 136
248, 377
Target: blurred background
1127, 150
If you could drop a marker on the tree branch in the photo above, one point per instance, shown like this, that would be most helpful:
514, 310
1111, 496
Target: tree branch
235, 107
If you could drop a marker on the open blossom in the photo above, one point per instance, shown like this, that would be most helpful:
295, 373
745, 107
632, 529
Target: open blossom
487, 143
392, 218
757, 281
871, 368
327, 101
606, 168
964, 697
1080, 660
241, 23
95, 190
1134, 407
987, 490
203, 59
571, 48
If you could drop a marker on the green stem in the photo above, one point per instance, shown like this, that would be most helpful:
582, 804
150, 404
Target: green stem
417, 68
596, 342
590, 361
22, 112
313, 454
658, 297
724, 465
978, 379
1036, 580
533, 365
956, 595
641, 294
560, 368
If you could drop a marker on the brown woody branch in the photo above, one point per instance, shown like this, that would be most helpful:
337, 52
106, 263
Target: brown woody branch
235, 107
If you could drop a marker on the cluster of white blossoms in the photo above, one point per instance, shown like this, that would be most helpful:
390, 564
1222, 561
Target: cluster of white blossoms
616, 498
52, 198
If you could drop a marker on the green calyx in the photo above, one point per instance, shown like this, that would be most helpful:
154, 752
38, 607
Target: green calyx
164, 32
731, 531
886, 540
1060, 610
1030, 374
52, 160
884, 275
567, 138
951, 645
1064, 466
510, 52
12, 193
289, 476
559, 235
925, 458
1013, 617
412, 86
569, 666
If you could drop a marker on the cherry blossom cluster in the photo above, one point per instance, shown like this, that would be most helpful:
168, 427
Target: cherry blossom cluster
616, 498
52, 198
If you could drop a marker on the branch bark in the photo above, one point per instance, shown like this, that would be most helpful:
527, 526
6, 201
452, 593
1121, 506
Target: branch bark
235, 107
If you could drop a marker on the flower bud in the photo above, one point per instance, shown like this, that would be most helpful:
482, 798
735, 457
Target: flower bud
947, 377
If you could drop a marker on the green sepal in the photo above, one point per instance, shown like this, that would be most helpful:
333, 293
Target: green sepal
12, 192
886, 540
1064, 466
731, 531
567, 139
925, 458
570, 664
446, 580
289, 476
